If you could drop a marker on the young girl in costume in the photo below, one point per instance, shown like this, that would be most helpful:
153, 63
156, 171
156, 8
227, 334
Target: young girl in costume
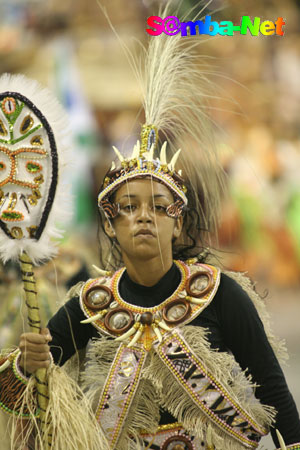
177, 354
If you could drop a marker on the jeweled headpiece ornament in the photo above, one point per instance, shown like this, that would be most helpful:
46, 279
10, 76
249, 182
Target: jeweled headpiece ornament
142, 164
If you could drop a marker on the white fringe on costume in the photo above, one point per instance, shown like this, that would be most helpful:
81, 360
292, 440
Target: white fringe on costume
71, 421
159, 388
248, 286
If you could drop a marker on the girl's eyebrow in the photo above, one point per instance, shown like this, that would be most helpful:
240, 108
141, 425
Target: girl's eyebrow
128, 195
134, 196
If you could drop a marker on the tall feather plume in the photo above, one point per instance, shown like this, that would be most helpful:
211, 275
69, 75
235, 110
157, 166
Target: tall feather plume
176, 92
176, 85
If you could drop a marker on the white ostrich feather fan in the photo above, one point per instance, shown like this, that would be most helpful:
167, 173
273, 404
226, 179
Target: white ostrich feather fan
34, 200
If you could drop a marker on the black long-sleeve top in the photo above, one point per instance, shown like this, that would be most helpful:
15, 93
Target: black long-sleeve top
233, 325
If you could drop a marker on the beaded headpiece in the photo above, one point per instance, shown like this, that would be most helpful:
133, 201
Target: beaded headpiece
141, 164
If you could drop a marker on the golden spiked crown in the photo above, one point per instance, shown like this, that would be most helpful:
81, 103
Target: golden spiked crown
142, 164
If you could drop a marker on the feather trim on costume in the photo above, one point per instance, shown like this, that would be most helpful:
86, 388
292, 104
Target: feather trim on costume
226, 371
159, 387
277, 344
66, 402
74, 291
145, 405
100, 355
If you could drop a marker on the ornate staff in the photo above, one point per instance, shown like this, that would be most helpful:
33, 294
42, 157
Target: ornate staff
34, 323
32, 130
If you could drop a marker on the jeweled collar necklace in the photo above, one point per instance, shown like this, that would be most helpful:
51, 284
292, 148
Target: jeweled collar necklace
104, 307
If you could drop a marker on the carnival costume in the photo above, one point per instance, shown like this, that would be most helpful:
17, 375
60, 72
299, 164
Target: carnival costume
161, 370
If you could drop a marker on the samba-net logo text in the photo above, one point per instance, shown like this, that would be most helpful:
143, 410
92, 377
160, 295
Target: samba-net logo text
171, 26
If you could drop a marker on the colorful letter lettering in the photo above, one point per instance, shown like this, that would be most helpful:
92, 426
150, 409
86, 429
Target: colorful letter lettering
253, 27
208, 24
279, 23
156, 23
171, 26
226, 28
267, 28
192, 27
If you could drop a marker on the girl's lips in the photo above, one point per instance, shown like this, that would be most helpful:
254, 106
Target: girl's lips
144, 233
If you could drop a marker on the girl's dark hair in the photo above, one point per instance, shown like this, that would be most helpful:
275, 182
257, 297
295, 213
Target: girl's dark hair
190, 244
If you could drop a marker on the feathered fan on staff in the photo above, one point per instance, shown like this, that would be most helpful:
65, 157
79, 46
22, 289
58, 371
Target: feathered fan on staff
34, 202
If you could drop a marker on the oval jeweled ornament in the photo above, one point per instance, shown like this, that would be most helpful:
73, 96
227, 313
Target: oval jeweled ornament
119, 320
199, 284
176, 311
97, 297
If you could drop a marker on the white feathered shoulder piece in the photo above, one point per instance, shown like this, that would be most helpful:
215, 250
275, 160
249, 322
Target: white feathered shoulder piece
34, 202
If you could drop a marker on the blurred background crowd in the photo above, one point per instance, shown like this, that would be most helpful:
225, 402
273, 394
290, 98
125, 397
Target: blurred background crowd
70, 47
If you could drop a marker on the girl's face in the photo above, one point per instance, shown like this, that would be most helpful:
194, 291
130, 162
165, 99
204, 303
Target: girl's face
142, 228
